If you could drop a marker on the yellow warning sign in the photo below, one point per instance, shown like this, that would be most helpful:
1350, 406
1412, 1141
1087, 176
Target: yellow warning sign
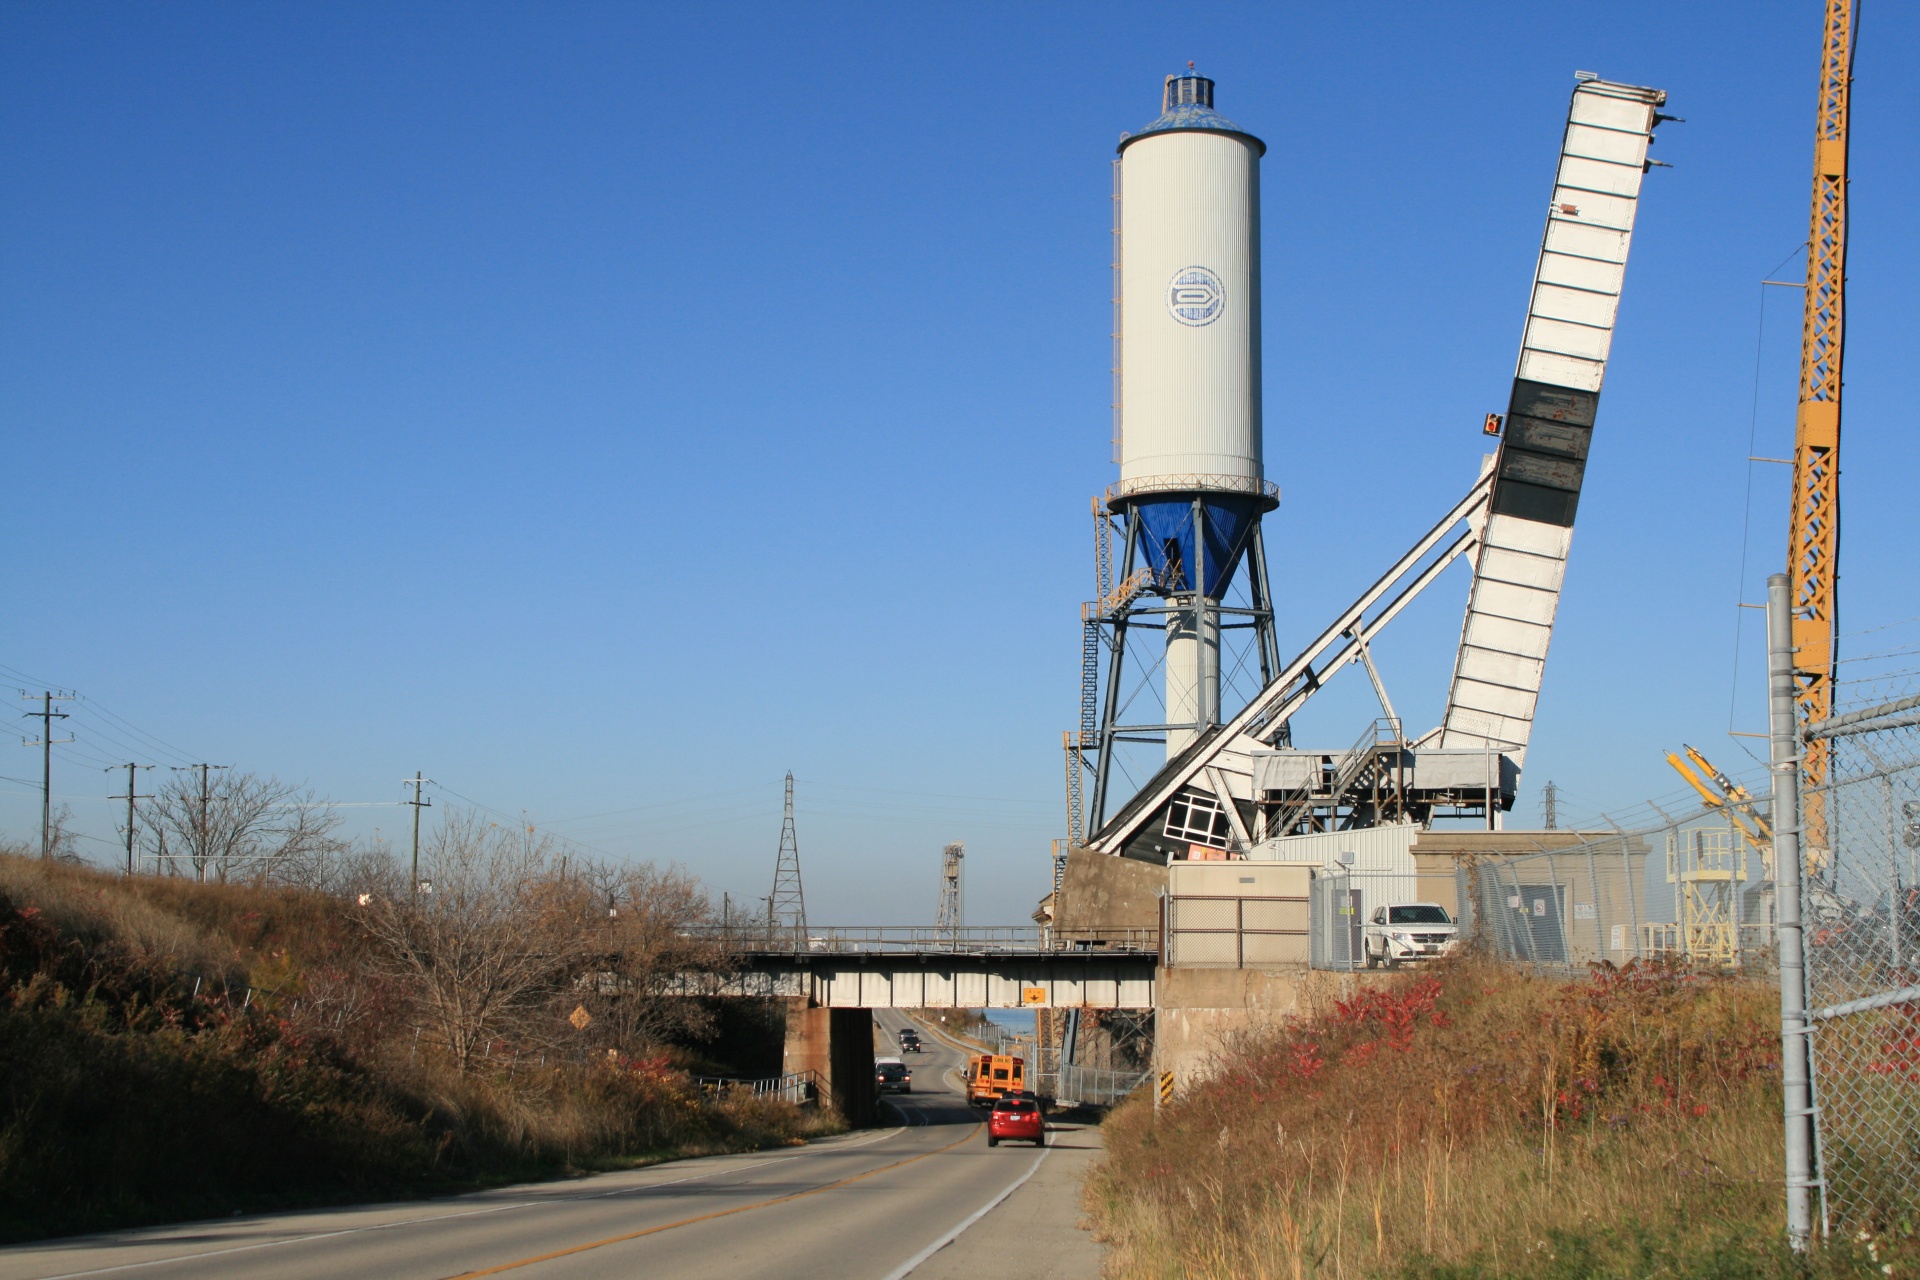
1033, 995
580, 1017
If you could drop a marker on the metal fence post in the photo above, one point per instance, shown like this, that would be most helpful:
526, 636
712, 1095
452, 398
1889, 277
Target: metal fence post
1593, 887
1893, 876
1794, 1055
1633, 907
1562, 909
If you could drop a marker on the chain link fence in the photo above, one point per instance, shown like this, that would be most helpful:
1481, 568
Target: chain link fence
1861, 852
1697, 889
1701, 890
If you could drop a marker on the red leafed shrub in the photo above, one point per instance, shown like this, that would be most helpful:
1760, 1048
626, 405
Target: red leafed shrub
1375, 1107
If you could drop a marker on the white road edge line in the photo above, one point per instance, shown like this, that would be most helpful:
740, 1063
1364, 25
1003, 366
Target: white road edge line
907, 1267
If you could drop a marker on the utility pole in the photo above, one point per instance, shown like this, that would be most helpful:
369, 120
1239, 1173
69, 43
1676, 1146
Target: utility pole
418, 802
46, 716
1788, 769
1550, 800
201, 853
130, 797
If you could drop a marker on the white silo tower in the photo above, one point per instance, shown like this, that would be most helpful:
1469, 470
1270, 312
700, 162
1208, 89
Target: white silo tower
1192, 488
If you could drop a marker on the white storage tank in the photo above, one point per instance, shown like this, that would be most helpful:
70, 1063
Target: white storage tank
1188, 402
1190, 300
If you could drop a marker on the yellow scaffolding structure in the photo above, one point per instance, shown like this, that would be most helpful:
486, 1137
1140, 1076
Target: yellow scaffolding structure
1707, 867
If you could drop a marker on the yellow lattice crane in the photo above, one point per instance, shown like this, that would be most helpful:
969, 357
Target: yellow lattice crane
1718, 791
1814, 526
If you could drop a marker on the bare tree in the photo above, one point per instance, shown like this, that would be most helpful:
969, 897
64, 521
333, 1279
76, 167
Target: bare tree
491, 939
63, 843
651, 936
241, 827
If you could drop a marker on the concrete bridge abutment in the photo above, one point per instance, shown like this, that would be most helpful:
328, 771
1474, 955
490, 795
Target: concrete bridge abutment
836, 1045
1200, 1014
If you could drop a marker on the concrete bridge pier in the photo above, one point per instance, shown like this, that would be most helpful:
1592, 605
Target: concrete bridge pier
838, 1045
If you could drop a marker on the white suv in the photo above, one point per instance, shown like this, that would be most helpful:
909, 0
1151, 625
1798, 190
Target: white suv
1408, 931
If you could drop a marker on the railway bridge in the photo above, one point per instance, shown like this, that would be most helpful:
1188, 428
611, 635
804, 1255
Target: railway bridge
832, 981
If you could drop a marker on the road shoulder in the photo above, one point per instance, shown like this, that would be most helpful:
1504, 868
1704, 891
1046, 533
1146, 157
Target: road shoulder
1033, 1234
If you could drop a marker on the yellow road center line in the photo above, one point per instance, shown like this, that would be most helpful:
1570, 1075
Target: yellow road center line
707, 1217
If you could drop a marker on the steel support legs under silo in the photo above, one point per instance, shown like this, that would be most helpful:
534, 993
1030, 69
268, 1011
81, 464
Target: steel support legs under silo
1193, 624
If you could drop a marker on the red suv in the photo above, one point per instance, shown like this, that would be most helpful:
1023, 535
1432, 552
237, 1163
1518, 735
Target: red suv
1016, 1118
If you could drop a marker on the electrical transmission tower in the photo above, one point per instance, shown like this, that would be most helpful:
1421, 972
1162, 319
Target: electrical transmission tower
787, 907
952, 909
1550, 801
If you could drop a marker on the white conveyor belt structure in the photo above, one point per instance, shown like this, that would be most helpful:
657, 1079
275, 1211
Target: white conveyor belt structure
1522, 558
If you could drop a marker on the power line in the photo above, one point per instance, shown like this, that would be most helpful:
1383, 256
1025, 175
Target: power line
521, 820
1746, 513
153, 744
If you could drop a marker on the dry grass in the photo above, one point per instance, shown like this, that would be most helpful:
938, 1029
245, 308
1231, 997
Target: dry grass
126, 1097
1474, 1121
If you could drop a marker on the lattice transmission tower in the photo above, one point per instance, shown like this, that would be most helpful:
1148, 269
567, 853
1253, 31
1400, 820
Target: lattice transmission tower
952, 912
787, 907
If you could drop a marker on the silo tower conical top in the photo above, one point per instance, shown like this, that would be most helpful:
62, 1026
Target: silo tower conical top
1186, 103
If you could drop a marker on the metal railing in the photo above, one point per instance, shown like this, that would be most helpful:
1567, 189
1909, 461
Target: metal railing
797, 1087
1094, 1086
1379, 737
921, 939
1069, 1084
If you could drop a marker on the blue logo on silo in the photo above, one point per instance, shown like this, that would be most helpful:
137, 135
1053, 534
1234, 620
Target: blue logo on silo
1195, 296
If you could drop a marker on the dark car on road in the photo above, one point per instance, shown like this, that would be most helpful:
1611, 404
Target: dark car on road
890, 1075
909, 1041
1016, 1120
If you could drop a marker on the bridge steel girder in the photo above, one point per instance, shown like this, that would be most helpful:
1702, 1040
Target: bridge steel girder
1063, 980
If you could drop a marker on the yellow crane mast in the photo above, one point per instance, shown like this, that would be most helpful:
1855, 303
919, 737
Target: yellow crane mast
1814, 526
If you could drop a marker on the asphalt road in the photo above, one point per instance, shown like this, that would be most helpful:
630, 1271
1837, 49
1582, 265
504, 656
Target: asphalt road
873, 1204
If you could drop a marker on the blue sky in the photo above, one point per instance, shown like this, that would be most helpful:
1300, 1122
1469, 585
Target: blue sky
607, 408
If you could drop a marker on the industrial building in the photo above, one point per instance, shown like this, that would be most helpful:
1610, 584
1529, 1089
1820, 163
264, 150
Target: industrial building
1250, 853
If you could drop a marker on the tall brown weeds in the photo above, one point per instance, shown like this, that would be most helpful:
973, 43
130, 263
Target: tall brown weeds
170, 1049
1473, 1118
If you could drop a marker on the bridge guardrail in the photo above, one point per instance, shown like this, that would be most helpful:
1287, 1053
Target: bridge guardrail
1095, 1086
993, 939
798, 1087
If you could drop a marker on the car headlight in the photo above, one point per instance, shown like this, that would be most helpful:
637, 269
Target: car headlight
1403, 937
